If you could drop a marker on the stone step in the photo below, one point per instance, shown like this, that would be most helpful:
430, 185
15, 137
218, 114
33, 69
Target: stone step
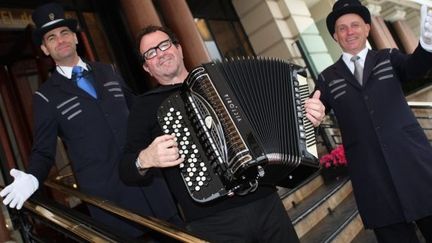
292, 197
317, 205
341, 224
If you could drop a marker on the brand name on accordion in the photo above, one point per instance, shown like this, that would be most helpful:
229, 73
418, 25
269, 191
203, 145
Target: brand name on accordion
233, 108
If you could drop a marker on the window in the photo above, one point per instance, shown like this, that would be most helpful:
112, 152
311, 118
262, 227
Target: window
220, 28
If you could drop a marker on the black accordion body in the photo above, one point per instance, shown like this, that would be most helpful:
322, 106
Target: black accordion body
239, 123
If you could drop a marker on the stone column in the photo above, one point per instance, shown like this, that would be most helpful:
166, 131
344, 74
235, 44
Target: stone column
139, 13
178, 18
379, 33
397, 16
407, 37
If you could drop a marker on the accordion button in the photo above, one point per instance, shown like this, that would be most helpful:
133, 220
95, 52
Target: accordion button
200, 183
197, 188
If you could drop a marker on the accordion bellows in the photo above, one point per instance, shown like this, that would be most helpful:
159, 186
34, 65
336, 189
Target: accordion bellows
240, 123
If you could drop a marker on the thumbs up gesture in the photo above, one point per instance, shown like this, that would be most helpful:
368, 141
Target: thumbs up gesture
426, 28
315, 110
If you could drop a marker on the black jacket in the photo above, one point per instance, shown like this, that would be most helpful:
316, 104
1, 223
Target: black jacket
389, 156
94, 132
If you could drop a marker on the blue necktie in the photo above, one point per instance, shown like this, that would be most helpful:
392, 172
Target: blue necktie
83, 82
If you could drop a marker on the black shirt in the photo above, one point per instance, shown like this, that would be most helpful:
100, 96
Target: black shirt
142, 129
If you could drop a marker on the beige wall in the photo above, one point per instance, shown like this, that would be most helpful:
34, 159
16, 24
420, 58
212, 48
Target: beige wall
273, 27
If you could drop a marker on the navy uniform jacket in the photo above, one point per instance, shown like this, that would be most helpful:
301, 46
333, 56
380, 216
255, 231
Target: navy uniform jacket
389, 156
94, 132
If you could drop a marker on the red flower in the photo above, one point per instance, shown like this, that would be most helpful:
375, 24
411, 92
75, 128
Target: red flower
335, 158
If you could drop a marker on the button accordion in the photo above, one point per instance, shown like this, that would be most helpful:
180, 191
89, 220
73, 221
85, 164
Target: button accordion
239, 123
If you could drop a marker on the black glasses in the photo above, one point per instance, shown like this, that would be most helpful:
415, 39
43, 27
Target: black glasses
152, 52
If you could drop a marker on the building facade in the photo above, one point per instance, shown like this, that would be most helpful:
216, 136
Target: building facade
208, 30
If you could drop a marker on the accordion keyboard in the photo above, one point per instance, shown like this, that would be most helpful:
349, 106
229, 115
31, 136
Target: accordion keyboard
239, 123
198, 172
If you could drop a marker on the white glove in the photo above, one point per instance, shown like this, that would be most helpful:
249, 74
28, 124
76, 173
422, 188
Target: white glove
426, 28
20, 190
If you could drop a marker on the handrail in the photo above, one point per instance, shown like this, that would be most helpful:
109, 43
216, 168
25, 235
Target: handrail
149, 222
68, 223
420, 104
65, 222
329, 123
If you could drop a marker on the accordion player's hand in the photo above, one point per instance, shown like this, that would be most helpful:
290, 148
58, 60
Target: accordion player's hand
162, 152
315, 110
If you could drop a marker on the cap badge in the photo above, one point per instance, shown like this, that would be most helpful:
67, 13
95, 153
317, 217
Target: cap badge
51, 16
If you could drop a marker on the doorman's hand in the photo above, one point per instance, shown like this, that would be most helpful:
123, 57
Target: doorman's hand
20, 190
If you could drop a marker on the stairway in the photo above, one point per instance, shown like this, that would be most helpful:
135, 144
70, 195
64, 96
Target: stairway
325, 211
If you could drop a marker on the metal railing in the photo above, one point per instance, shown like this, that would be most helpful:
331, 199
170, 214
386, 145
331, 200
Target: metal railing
331, 136
154, 224
81, 228
423, 113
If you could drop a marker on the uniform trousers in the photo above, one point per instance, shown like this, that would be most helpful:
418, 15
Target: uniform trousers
405, 232
263, 220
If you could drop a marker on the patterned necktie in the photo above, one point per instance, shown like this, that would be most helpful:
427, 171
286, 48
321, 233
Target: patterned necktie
358, 69
83, 82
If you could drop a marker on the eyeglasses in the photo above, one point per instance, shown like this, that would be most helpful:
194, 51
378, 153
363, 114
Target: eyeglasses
152, 52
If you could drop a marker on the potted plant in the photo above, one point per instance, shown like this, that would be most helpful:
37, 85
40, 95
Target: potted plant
334, 164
